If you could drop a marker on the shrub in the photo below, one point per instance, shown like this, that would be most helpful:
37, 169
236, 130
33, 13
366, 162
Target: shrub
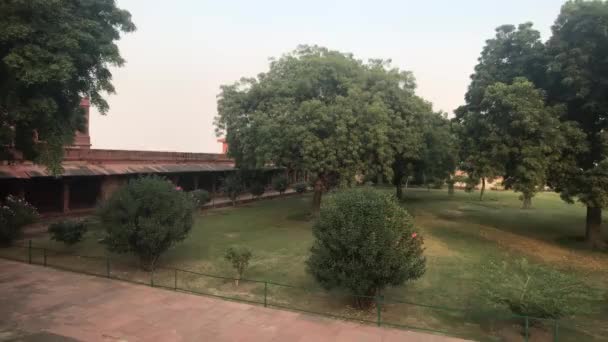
146, 217
364, 242
15, 213
232, 186
200, 197
280, 184
533, 290
68, 232
239, 257
300, 187
257, 189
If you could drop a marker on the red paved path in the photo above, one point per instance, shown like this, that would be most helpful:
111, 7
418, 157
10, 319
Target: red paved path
43, 304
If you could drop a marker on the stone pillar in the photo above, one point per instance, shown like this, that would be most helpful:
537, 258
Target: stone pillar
66, 196
109, 184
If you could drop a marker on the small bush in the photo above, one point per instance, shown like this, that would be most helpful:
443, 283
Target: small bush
280, 184
533, 290
364, 242
15, 213
146, 217
232, 186
200, 197
68, 232
257, 189
300, 187
239, 257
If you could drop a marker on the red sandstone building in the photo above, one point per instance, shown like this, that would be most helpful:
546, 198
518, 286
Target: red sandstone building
90, 175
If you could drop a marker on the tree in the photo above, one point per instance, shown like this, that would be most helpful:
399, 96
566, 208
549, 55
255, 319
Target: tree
530, 136
280, 184
239, 257
146, 217
513, 52
311, 111
52, 54
233, 186
439, 149
578, 77
364, 242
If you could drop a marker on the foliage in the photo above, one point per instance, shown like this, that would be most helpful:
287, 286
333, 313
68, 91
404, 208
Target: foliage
364, 242
68, 232
146, 217
578, 78
311, 111
200, 197
533, 290
528, 136
513, 52
239, 257
15, 213
52, 54
233, 186
257, 189
280, 184
301, 187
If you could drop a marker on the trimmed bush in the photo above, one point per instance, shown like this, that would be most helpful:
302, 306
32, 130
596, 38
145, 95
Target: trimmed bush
280, 184
239, 258
200, 197
146, 217
301, 187
257, 189
68, 232
233, 186
533, 290
364, 242
15, 213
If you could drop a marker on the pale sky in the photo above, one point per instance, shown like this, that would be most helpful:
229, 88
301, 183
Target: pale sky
183, 50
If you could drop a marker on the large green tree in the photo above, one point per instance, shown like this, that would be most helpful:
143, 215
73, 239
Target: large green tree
578, 77
311, 111
529, 135
52, 54
513, 52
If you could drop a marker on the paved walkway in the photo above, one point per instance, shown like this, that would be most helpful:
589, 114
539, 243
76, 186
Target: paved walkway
43, 304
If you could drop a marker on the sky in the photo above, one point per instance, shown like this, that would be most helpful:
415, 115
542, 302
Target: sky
184, 50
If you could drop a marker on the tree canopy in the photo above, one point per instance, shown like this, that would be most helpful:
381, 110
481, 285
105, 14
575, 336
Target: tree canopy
313, 110
52, 54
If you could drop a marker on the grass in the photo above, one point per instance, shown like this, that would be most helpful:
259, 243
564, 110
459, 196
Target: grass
460, 232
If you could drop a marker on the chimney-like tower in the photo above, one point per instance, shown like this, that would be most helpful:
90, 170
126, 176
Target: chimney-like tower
83, 139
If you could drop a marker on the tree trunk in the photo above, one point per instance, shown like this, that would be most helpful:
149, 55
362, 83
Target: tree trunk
407, 180
527, 201
450, 188
483, 188
316, 199
593, 234
398, 182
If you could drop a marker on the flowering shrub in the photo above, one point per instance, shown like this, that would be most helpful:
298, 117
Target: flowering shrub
15, 213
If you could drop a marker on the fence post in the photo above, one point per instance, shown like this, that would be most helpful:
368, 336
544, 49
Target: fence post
265, 293
29, 252
108, 267
526, 331
44, 254
555, 330
152, 278
379, 309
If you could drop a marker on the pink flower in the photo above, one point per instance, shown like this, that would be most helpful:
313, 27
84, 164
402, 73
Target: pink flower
414, 235
178, 188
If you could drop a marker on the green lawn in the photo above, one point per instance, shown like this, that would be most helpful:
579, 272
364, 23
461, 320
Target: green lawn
460, 232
